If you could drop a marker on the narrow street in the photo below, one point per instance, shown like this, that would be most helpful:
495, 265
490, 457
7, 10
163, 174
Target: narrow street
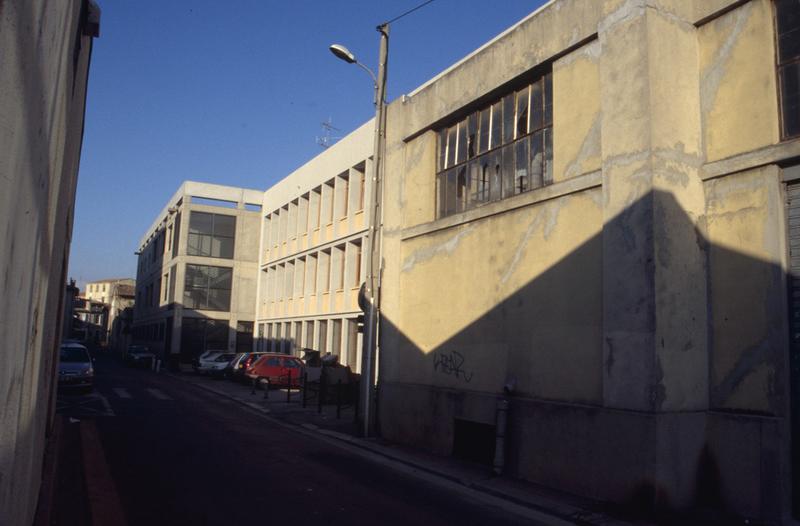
180, 455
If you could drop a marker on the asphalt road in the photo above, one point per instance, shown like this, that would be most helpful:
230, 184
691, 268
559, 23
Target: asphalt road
179, 455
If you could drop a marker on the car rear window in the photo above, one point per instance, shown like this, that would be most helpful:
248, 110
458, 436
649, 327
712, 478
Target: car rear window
74, 354
275, 362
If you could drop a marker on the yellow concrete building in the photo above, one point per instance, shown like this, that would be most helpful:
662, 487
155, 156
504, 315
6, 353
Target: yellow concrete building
311, 253
593, 218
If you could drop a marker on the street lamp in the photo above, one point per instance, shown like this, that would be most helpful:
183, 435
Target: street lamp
372, 299
341, 52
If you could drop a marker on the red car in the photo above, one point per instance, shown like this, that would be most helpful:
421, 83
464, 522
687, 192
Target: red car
277, 368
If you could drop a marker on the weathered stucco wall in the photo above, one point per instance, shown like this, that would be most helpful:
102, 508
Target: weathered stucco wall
738, 89
747, 258
43, 85
527, 308
618, 302
576, 113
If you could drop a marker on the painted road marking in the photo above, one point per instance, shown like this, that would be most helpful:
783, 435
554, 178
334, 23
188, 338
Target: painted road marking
93, 404
120, 392
158, 394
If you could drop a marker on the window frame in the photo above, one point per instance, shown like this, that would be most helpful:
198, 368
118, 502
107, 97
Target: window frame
780, 67
485, 171
212, 236
205, 305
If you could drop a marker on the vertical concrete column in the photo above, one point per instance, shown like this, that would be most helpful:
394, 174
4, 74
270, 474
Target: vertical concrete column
654, 283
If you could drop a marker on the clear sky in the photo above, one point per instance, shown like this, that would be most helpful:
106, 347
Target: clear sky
234, 92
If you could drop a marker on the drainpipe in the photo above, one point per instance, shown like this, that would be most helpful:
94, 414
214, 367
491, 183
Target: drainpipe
500, 436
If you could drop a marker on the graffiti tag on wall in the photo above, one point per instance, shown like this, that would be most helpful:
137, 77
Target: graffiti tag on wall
451, 363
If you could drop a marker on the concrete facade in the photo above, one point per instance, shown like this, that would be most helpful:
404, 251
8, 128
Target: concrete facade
161, 311
45, 50
632, 308
313, 230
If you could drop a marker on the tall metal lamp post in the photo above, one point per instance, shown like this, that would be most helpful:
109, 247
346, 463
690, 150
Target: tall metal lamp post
370, 346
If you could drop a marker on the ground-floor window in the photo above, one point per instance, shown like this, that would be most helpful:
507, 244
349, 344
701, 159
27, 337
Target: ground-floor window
199, 335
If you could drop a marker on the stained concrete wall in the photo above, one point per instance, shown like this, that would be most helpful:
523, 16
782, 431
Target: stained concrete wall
618, 301
44, 60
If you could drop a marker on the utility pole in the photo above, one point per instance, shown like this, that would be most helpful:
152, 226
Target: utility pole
371, 343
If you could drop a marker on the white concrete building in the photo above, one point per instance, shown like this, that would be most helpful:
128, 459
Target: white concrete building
196, 278
311, 260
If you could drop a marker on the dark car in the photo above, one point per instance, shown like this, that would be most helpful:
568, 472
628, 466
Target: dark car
139, 356
75, 366
238, 367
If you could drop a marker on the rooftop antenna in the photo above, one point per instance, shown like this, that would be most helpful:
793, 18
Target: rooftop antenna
326, 140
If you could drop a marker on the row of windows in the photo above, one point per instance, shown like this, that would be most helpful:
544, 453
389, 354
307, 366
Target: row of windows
334, 199
318, 272
96, 287
163, 243
337, 336
502, 150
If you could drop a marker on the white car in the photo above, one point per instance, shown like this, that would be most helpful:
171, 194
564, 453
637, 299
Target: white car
213, 362
75, 366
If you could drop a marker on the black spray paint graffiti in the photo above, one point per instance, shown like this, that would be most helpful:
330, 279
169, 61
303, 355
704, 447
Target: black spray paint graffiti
451, 363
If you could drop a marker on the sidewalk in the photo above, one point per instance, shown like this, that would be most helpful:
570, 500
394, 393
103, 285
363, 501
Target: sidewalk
550, 506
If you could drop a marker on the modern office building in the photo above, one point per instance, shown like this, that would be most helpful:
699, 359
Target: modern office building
311, 263
196, 277
593, 218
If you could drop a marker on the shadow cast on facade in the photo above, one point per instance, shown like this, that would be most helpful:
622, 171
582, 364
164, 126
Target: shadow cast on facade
620, 427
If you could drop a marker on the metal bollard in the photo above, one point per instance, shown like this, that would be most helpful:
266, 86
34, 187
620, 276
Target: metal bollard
338, 399
356, 397
321, 393
500, 437
266, 390
289, 389
305, 384
253, 390
158, 366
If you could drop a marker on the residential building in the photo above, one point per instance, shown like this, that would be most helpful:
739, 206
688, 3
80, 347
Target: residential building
90, 323
196, 277
593, 218
45, 51
311, 260
117, 293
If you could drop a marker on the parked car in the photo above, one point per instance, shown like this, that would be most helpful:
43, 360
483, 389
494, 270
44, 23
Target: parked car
213, 363
276, 368
205, 357
139, 356
238, 367
233, 365
75, 366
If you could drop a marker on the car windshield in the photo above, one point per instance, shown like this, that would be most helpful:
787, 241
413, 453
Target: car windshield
137, 349
74, 354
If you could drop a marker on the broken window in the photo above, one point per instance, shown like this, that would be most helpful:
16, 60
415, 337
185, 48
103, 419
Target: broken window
788, 22
501, 150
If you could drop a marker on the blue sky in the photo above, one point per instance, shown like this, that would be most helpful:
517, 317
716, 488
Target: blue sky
235, 93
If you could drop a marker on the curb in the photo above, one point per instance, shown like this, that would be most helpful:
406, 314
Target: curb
568, 514
45, 506
105, 505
